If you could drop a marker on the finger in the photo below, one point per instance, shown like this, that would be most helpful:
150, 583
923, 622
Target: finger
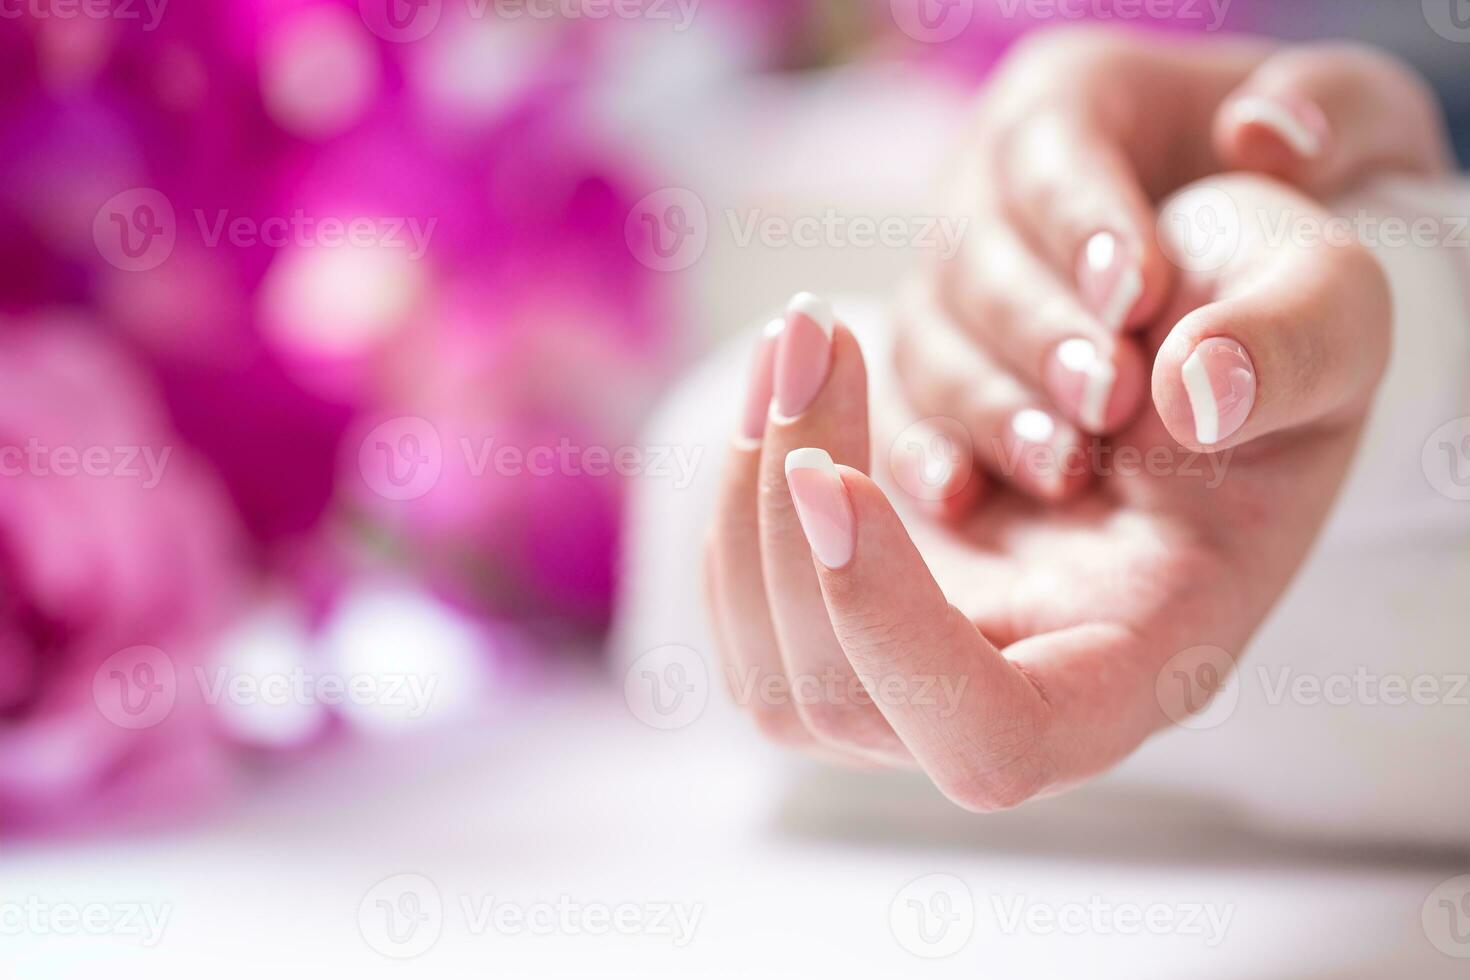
1293, 333
990, 732
1008, 427
1324, 116
1018, 309
747, 639
820, 399
1075, 196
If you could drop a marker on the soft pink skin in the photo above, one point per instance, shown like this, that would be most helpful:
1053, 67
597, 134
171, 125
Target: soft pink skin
1086, 129
825, 514
802, 358
1055, 623
1232, 379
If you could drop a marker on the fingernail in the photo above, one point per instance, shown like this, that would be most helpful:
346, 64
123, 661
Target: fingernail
803, 353
1300, 124
1034, 452
821, 505
1221, 383
1109, 279
762, 381
1081, 380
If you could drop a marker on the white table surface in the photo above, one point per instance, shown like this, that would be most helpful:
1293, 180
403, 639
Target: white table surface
793, 868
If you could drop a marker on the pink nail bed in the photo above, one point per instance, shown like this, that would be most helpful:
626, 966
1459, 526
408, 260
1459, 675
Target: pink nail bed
803, 354
1080, 380
1220, 381
1109, 279
821, 505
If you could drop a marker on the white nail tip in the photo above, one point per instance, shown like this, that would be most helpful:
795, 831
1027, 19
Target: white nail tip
1130, 287
814, 308
774, 328
1081, 356
1034, 425
1276, 116
810, 459
1201, 400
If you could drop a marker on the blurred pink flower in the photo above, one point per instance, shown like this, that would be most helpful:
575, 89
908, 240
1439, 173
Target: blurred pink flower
117, 555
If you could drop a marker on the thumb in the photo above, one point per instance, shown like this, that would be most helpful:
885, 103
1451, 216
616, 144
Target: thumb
1296, 331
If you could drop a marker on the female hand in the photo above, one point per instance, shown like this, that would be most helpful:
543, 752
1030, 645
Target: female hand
1075, 140
1047, 667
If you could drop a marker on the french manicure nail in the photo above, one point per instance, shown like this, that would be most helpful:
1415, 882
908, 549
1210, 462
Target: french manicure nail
1301, 125
762, 382
803, 354
821, 505
1109, 279
1033, 449
1220, 381
1081, 380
